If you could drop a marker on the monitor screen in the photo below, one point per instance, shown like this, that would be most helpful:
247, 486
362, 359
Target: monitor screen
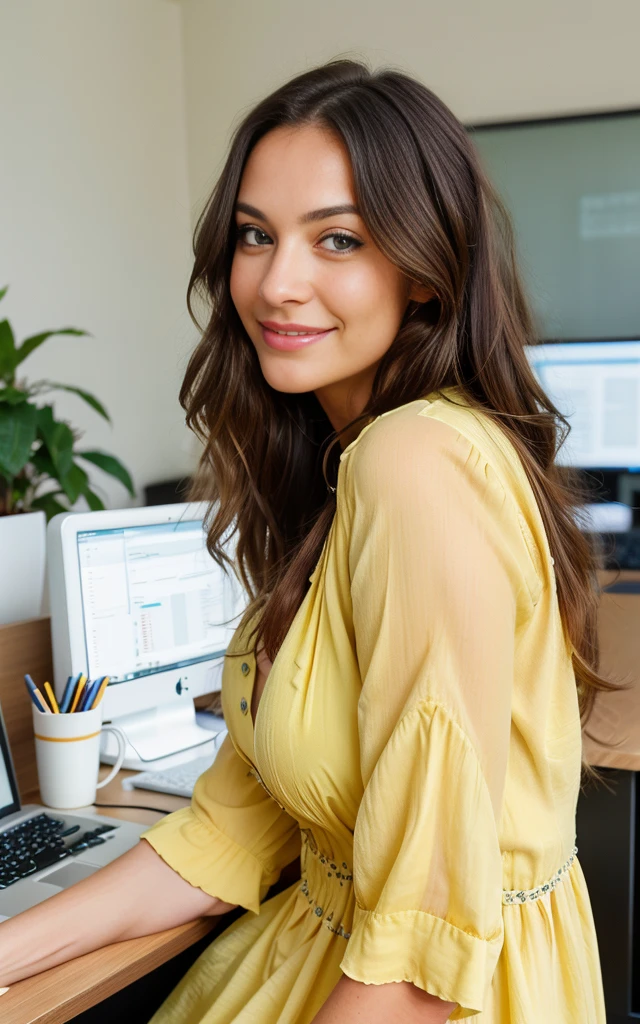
572, 187
9, 799
152, 599
6, 796
596, 385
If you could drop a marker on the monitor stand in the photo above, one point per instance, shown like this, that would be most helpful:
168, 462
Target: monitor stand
159, 737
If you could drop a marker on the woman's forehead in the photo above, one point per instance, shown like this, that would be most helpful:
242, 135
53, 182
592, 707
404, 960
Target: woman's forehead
297, 171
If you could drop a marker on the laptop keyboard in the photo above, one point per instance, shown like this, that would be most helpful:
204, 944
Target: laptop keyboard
40, 842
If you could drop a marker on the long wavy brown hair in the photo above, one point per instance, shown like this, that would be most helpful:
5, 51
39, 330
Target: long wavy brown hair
270, 459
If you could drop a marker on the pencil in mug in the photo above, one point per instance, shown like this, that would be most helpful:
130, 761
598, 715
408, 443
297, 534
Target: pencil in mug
104, 682
78, 690
67, 696
92, 694
48, 689
36, 696
87, 695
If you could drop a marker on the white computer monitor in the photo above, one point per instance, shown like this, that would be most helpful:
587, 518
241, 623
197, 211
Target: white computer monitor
135, 595
596, 385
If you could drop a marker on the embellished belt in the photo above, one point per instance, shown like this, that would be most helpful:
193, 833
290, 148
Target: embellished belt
525, 895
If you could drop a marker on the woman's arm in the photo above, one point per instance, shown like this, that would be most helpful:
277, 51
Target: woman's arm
352, 1002
137, 894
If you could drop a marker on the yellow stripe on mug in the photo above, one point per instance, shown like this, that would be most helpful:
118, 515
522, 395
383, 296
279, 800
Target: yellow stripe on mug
67, 739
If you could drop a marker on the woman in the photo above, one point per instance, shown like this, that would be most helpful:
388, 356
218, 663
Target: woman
422, 600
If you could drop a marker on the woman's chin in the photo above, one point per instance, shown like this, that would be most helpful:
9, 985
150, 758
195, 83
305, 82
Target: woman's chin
292, 380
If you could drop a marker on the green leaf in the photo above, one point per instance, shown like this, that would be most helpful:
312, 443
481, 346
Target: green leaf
30, 344
95, 503
58, 438
13, 396
86, 396
17, 433
49, 504
7, 351
42, 463
109, 464
3, 291
74, 483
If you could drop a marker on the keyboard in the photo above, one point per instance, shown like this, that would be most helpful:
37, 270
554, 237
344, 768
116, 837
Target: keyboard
40, 842
178, 781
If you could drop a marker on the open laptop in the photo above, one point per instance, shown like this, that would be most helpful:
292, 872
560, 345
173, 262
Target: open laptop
43, 851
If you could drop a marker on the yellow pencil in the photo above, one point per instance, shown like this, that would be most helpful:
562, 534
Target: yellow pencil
100, 694
48, 689
76, 696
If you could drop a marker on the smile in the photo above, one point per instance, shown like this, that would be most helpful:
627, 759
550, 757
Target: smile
292, 336
297, 334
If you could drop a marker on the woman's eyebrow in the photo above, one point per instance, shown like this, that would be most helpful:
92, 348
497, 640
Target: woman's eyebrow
322, 214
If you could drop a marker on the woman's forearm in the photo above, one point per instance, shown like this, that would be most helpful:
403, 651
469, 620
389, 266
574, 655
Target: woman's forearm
352, 1002
137, 894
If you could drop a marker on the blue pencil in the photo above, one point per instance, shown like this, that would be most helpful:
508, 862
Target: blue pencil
86, 699
68, 693
36, 696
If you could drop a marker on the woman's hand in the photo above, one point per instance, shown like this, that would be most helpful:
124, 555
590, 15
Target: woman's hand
398, 1002
137, 894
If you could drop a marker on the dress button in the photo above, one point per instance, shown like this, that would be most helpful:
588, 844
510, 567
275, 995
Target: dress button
244, 668
244, 707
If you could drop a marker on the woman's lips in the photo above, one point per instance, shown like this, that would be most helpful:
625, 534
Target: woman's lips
287, 343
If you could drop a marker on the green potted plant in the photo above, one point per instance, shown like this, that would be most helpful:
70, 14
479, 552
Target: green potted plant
41, 471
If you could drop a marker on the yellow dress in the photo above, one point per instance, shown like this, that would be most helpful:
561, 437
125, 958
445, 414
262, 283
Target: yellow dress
418, 742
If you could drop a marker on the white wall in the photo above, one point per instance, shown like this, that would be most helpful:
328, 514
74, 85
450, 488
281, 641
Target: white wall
488, 59
95, 215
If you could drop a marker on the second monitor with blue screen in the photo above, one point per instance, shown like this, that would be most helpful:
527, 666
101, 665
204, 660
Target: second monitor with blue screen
135, 595
596, 385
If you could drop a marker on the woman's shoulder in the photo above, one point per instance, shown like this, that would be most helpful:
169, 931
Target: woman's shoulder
437, 450
424, 431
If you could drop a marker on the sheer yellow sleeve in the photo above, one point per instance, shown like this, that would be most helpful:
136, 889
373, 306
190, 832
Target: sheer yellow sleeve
441, 578
234, 840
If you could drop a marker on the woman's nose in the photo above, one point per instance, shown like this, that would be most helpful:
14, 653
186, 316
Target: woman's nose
287, 277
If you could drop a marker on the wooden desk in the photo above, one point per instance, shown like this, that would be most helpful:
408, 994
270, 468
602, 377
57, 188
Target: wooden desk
57, 995
616, 716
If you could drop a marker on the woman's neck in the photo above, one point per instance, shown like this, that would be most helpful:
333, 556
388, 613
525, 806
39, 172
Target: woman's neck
343, 400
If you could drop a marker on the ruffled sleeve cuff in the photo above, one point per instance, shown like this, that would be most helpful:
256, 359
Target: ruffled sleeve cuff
209, 860
431, 953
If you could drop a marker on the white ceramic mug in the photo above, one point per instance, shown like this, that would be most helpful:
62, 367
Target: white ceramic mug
68, 756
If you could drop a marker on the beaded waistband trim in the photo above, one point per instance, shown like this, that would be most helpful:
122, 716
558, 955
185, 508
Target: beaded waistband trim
525, 895
338, 928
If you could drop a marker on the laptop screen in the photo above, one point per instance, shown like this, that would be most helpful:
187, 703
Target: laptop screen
9, 799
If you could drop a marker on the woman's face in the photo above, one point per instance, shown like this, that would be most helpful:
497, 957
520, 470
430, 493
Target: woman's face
304, 262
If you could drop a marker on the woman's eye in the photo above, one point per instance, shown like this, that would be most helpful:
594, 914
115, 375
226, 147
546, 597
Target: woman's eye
253, 236
342, 243
337, 242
